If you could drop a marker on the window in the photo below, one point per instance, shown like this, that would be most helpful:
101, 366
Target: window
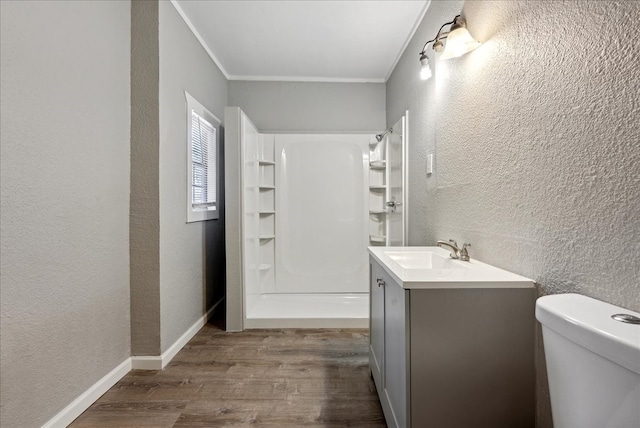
202, 144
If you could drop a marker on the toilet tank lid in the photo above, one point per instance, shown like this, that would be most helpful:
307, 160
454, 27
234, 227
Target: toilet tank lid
588, 323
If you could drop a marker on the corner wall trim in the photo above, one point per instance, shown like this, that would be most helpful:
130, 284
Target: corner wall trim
158, 362
87, 398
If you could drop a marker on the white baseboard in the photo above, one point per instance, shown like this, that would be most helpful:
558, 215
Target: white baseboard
87, 398
147, 363
158, 362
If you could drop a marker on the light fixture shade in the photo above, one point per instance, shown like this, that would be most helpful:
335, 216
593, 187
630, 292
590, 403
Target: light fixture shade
459, 42
425, 70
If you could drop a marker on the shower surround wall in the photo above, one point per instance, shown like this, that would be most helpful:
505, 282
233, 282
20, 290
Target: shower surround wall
302, 227
293, 108
321, 213
535, 136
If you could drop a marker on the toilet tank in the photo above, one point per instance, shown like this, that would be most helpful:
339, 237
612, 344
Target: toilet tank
593, 362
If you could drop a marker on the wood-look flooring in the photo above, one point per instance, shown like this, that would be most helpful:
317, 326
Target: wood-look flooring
271, 378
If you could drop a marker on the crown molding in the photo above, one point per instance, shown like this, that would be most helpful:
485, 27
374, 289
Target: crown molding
199, 37
409, 37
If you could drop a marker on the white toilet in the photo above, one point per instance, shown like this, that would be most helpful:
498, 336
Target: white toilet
593, 362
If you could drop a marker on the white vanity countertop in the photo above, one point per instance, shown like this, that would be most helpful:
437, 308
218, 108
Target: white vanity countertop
431, 267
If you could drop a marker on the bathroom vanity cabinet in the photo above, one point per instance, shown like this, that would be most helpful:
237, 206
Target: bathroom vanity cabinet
452, 354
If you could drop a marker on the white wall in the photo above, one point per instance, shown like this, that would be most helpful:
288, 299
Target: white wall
65, 202
311, 107
535, 135
190, 254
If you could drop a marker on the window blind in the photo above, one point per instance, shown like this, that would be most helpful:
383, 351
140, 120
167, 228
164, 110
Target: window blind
203, 155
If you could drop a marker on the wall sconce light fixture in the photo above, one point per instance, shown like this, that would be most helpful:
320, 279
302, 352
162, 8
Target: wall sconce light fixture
459, 42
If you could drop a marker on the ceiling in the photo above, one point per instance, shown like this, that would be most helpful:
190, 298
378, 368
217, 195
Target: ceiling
305, 40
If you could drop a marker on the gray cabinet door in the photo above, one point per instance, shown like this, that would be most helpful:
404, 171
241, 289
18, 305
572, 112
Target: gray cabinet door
395, 355
376, 326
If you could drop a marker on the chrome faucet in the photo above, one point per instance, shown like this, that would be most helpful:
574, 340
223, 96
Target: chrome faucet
456, 252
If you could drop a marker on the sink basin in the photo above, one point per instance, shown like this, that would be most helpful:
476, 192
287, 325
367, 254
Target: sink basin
423, 260
431, 267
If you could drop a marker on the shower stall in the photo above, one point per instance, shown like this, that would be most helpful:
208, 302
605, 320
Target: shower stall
298, 227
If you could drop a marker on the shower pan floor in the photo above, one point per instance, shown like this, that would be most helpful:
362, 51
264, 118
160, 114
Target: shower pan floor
335, 310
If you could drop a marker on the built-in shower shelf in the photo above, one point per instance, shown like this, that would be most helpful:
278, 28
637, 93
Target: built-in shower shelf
378, 179
267, 237
265, 162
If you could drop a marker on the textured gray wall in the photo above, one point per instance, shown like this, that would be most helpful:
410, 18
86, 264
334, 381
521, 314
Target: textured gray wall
311, 107
177, 268
191, 255
145, 189
535, 135
65, 202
